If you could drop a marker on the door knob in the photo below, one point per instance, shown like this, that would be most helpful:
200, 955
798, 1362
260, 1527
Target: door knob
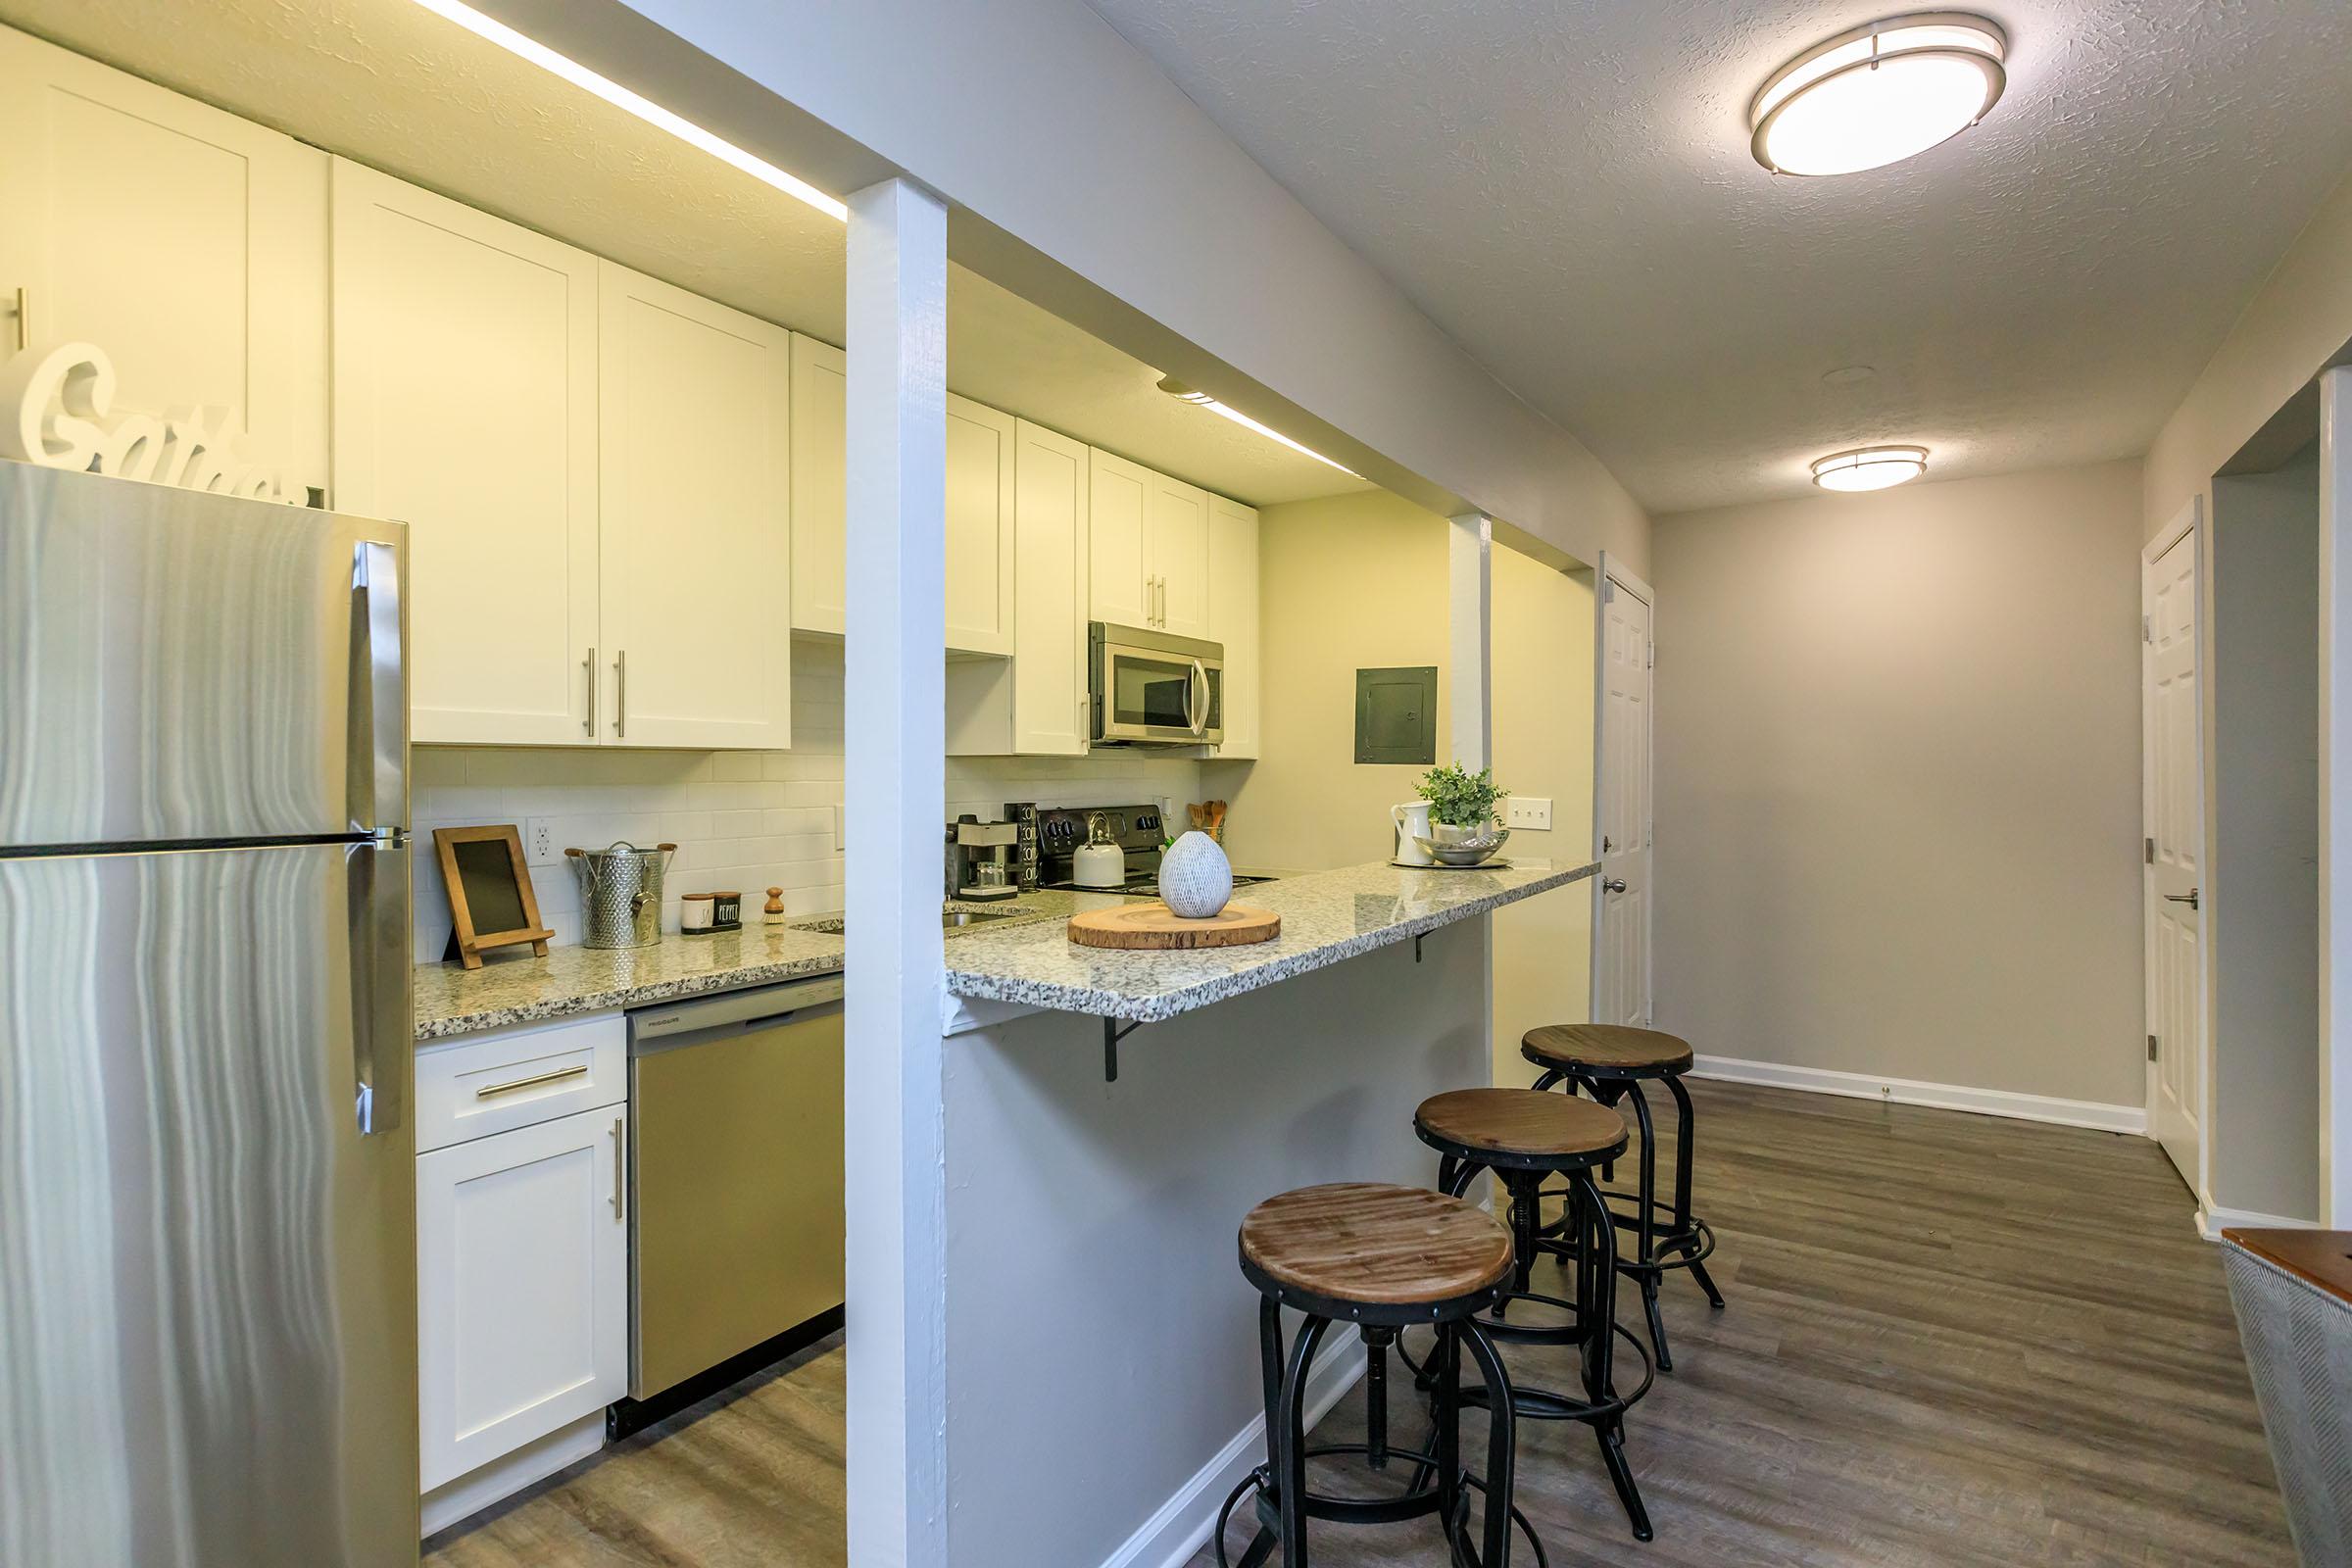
2190, 898
1615, 884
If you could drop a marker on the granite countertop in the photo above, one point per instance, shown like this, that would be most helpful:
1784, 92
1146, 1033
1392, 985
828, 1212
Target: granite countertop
515, 986
1326, 916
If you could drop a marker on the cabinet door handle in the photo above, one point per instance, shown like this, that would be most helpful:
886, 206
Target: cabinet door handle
589, 664
576, 1070
23, 319
621, 1167
621, 694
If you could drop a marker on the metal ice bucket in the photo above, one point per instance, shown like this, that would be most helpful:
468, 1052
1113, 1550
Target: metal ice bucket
620, 892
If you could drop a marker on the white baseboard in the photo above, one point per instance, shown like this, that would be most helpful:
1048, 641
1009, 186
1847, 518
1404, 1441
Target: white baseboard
1181, 1527
1913, 1092
2213, 1219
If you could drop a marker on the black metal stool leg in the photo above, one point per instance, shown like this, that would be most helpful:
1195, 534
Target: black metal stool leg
1291, 1471
1376, 1396
1599, 1254
1646, 1253
1502, 1446
1523, 1186
1683, 1146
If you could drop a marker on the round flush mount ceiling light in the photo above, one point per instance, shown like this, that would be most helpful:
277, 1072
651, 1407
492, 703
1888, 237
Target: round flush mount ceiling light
1870, 467
1879, 94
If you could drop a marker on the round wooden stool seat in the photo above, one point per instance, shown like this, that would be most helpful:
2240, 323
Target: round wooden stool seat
1520, 1127
1367, 1245
1607, 1050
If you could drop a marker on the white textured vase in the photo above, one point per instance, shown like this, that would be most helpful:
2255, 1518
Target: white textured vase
1194, 877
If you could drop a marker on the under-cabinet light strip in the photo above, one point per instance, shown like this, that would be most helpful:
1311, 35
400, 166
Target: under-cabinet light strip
645, 109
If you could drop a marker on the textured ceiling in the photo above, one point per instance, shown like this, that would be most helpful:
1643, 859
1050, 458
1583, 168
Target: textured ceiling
1566, 188
390, 84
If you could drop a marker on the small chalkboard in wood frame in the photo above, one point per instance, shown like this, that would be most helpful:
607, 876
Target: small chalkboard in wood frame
489, 884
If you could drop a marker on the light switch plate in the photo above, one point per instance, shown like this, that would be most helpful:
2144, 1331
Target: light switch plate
539, 841
1532, 811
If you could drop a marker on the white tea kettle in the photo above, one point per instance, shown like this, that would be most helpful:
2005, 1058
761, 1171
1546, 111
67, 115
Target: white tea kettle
1099, 863
1413, 821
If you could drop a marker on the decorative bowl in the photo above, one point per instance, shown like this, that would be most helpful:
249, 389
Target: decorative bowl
1462, 846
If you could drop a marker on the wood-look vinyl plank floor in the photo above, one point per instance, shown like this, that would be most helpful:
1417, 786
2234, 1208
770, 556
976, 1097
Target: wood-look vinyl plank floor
1953, 1341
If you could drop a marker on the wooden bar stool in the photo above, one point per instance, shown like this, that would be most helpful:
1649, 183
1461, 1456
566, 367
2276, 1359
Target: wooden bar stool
1378, 1257
1525, 1137
1610, 1063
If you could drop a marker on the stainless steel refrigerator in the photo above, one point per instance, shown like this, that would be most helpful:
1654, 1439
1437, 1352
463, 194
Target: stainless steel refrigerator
207, 1174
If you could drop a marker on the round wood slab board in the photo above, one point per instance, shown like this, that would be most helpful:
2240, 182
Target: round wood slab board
1156, 925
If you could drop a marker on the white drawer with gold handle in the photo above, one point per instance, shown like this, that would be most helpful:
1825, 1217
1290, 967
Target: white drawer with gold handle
501, 1079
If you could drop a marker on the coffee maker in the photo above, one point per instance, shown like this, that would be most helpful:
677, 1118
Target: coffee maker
982, 859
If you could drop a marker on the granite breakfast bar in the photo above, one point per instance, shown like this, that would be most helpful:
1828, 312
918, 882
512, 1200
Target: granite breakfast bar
1090, 1284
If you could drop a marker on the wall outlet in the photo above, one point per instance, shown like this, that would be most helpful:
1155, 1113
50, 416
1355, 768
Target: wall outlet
539, 841
841, 828
1533, 811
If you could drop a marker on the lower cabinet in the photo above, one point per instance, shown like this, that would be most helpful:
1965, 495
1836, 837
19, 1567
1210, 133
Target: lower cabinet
522, 1288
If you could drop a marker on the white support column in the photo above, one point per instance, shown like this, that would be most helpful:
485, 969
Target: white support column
895, 797
2336, 796
1470, 639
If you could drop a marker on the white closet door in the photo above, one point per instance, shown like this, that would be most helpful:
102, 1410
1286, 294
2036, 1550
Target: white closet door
1622, 795
188, 244
465, 373
696, 414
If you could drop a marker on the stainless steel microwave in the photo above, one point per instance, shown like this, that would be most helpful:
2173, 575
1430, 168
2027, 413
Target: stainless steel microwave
1152, 689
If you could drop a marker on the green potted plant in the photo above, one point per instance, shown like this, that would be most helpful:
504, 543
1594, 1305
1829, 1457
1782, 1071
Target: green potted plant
1463, 825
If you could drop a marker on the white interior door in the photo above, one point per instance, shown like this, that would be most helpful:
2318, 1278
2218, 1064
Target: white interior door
2174, 807
1620, 795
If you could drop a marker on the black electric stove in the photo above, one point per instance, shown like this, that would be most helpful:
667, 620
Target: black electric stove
1137, 831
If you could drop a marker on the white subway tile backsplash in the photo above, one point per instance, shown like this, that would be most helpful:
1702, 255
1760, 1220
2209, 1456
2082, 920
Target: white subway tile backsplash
747, 820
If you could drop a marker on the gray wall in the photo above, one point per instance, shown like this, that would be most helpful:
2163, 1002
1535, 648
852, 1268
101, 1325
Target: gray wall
2263, 820
1898, 817
1101, 1344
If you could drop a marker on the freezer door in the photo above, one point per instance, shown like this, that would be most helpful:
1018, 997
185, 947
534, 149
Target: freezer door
182, 667
207, 1268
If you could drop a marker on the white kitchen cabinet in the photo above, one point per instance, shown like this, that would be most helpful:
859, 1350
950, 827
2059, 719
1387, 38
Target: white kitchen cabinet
1177, 551
980, 552
1232, 612
1035, 703
466, 406
695, 530
1118, 523
819, 476
191, 246
523, 1287
1150, 549
980, 528
1049, 655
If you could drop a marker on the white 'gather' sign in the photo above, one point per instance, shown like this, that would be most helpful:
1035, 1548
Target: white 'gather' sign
59, 411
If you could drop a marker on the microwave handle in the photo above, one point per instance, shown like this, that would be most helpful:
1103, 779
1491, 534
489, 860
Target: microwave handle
1198, 721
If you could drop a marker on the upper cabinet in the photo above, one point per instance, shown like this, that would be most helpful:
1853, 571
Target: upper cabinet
980, 560
465, 400
1150, 549
188, 244
1119, 572
694, 462
1177, 554
593, 469
819, 477
1233, 619
980, 528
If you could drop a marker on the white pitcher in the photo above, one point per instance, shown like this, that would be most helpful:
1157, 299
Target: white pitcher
1410, 819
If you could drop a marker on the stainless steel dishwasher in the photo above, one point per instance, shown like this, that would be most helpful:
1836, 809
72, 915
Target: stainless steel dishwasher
735, 1213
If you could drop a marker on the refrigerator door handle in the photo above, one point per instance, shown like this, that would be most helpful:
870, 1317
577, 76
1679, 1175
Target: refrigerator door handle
383, 1023
379, 718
